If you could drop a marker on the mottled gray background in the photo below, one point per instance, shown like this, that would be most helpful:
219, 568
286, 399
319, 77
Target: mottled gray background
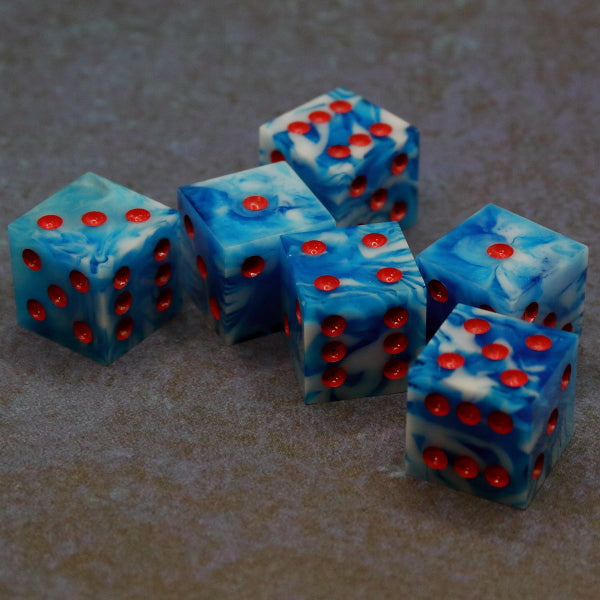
192, 470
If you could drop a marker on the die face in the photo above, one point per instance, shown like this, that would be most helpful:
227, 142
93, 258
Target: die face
233, 264
490, 405
354, 305
499, 260
98, 295
360, 160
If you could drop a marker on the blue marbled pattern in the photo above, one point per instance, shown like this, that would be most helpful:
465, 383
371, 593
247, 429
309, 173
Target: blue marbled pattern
71, 252
519, 376
223, 234
384, 321
359, 188
543, 280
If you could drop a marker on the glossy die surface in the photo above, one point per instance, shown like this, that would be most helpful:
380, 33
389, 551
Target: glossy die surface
95, 267
490, 405
232, 259
499, 260
360, 160
354, 305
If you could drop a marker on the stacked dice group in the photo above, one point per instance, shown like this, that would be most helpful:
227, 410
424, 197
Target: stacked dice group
311, 241
490, 399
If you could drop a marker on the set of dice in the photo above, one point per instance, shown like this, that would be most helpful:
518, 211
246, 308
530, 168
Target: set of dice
311, 242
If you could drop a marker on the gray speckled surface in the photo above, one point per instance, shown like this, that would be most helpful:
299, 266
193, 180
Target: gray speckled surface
192, 470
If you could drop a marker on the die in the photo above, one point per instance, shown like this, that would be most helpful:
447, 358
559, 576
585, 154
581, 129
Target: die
354, 306
490, 405
360, 160
95, 267
506, 263
232, 258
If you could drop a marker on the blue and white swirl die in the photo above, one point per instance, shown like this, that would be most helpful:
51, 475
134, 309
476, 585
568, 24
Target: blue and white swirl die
355, 308
95, 267
232, 260
360, 160
501, 261
490, 405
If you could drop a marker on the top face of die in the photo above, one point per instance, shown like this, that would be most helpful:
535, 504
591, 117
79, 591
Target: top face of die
93, 219
341, 125
255, 204
504, 253
368, 261
478, 353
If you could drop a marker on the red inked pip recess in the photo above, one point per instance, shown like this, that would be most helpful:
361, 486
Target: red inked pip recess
437, 290
165, 297
451, 360
94, 218
79, 281
334, 377
389, 275
57, 295
121, 278
380, 129
359, 139
437, 404
253, 266
340, 106
50, 222
255, 203
338, 151
435, 457
468, 413
333, 351
314, 247
378, 199
398, 211
395, 343
333, 325
395, 317
514, 378
137, 215
299, 127
161, 250
326, 283
466, 467
374, 240
495, 351
399, 163
477, 326
358, 186
32, 259
538, 342
36, 310
319, 116
395, 368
